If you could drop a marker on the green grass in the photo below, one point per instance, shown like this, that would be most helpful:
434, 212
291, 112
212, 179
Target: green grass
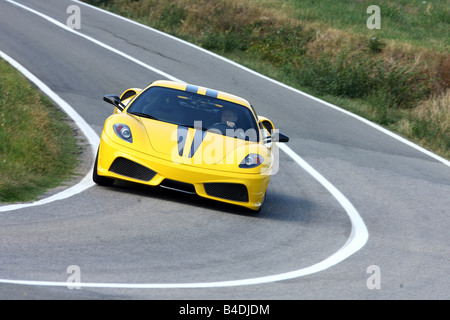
422, 23
38, 147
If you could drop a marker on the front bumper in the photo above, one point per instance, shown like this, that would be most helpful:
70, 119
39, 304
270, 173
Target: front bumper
119, 162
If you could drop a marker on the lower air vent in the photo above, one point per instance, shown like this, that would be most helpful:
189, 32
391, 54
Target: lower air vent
131, 169
177, 185
228, 191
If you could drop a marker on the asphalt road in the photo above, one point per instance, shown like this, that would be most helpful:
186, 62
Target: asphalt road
387, 239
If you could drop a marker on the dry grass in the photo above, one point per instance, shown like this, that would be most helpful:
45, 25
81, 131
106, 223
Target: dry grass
432, 114
437, 110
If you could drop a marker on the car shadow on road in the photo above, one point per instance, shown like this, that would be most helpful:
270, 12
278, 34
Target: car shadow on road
277, 206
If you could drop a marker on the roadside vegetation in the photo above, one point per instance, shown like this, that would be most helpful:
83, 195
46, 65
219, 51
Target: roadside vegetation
397, 76
38, 146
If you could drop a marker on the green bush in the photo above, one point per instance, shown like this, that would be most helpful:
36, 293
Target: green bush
225, 41
280, 46
376, 45
401, 87
356, 76
171, 16
347, 76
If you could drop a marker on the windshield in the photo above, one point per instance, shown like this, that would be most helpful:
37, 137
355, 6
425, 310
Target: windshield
197, 111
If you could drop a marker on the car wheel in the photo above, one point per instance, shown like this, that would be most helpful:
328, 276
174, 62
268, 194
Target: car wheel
100, 180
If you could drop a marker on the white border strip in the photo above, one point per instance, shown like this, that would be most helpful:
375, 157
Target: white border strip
370, 123
358, 237
90, 134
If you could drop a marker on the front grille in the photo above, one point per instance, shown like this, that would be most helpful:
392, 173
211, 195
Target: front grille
131, 169
228, 191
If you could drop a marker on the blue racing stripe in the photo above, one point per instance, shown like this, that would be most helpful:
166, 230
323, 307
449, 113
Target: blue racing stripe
191, 88
181, 138
198, 139
212, 93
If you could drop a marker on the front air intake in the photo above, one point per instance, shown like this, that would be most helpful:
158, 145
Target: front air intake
131, 169
228, 191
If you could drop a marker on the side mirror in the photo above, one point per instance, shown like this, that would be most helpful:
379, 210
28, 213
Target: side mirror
115, 101
281, 137
276, 137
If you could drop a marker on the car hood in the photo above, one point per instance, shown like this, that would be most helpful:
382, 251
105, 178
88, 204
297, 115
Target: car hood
187, 145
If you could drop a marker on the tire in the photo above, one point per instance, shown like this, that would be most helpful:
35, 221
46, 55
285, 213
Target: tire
100, 180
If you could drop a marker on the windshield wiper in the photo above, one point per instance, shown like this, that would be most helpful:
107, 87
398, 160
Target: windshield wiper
141, 114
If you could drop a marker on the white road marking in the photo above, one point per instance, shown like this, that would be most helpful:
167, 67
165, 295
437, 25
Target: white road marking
358, 237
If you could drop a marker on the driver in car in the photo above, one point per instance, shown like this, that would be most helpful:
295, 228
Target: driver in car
229, 117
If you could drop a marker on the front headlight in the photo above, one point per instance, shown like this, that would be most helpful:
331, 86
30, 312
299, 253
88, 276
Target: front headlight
251, 161
123, 132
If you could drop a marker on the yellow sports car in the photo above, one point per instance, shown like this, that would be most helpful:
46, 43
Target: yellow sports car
188, 138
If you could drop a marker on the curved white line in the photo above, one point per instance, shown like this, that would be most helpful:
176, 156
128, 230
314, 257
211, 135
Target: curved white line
358, 237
